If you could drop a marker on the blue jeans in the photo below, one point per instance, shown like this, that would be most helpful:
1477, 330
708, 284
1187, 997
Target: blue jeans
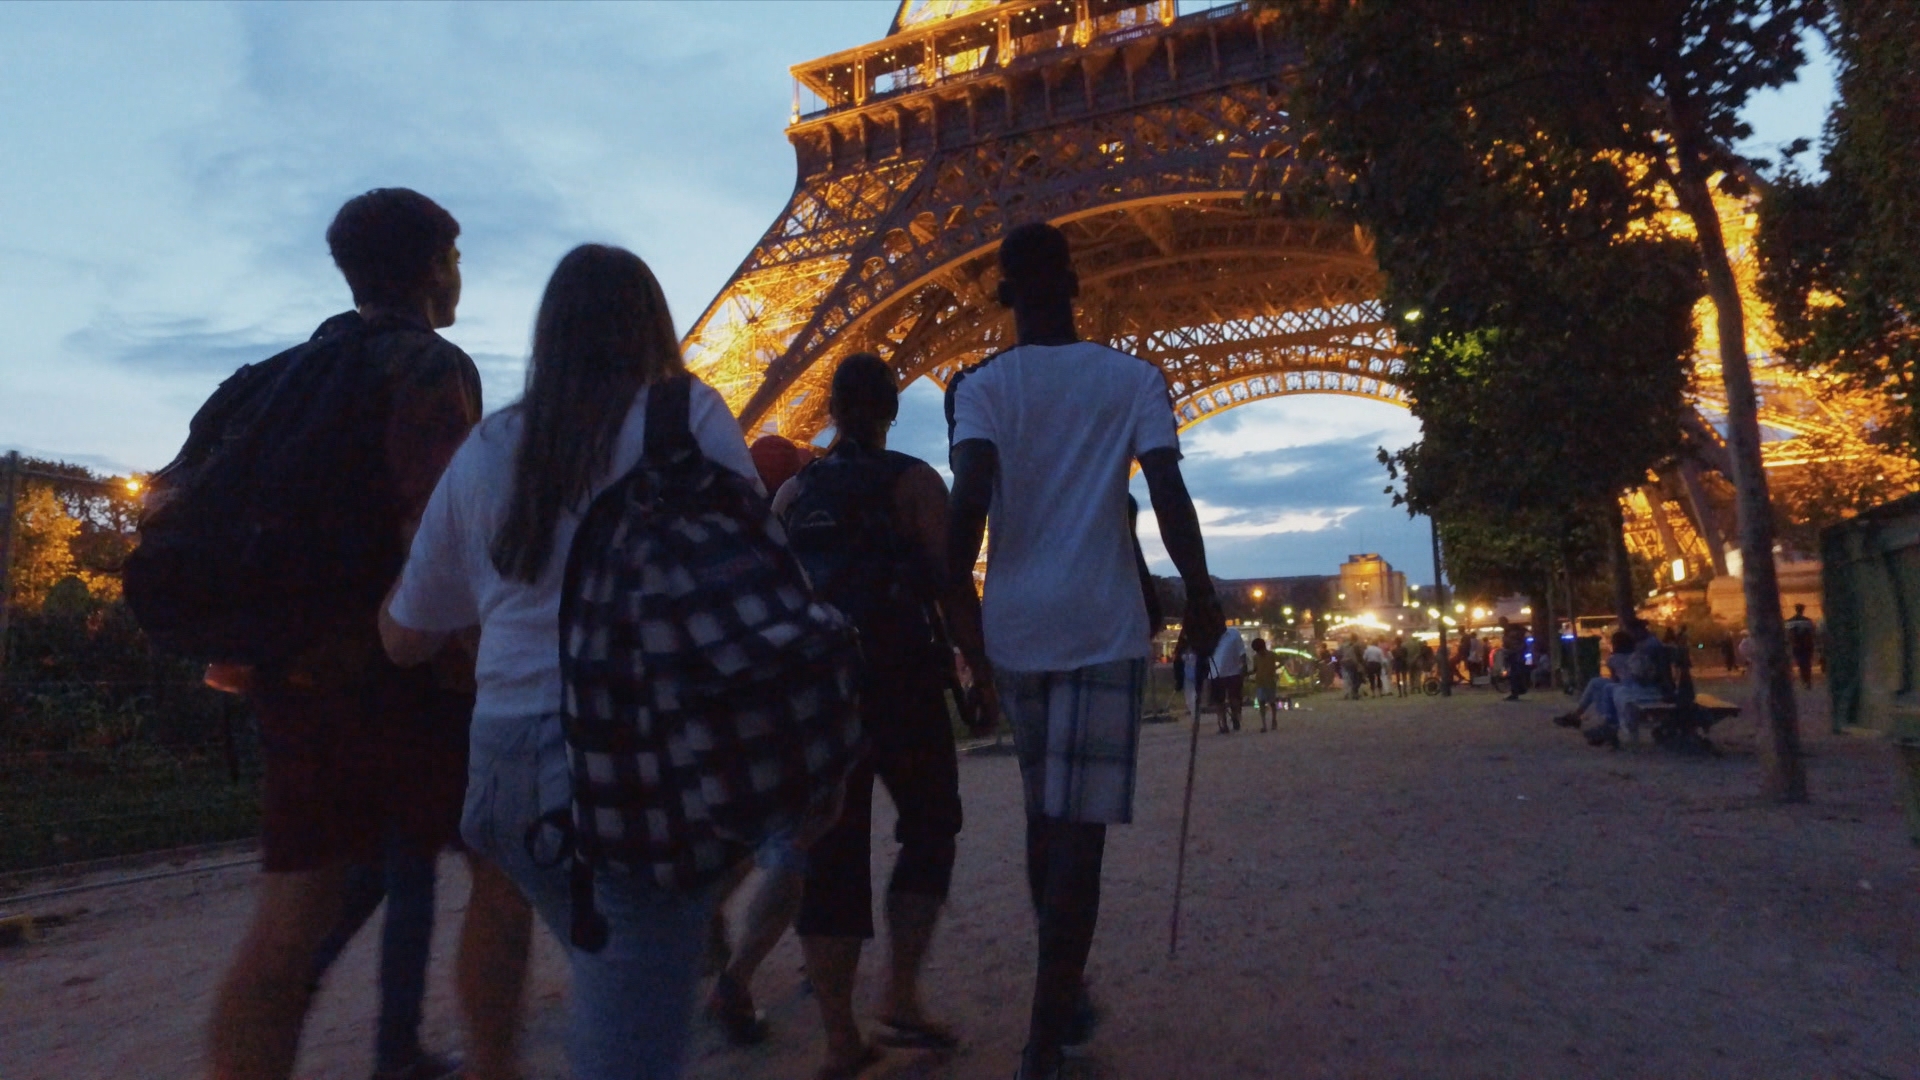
632, 1002
405, 880
1598, 696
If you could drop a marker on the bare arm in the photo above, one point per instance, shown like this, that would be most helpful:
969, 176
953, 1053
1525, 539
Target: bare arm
1180, 532
976, 463
923, 498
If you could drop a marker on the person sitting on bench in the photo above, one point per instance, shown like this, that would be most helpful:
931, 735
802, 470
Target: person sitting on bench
1598, 696
1647, 678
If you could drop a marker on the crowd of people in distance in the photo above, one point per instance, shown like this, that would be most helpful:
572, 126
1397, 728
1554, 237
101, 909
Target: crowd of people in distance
427, 708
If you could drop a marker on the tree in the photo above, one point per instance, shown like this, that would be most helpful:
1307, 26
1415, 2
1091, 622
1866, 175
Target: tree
43, 547
1616, 114
1840, 257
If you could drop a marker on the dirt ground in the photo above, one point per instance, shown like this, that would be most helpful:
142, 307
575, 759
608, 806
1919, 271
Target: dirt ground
1418, 888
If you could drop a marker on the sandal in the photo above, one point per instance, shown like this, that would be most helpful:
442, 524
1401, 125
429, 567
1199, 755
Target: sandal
731, 1007
868, 1058
909, 1035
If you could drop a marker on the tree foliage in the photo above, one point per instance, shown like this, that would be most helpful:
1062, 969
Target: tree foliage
1588, 119
1840, 256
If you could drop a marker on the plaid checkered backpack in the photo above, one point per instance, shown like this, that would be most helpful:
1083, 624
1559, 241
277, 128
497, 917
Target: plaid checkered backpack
709, 698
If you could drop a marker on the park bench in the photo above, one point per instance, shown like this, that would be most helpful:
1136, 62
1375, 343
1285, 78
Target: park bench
1687, 727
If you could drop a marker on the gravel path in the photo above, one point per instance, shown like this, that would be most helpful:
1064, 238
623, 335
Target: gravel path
1416, 888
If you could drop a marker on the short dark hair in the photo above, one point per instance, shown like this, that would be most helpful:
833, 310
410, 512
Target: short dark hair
864, 394
1035, 254
387, 241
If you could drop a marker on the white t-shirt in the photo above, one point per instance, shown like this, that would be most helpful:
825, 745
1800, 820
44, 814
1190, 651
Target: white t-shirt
1062, 590
450, 583
1375, 654
1230, 656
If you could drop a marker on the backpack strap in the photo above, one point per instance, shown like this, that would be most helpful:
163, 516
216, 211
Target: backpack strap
669, 423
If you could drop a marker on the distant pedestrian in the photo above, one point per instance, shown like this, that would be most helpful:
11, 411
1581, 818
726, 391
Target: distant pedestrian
1802, 637
1229, 679
1265, 669
1397, 661
1353, 666
1375, 659
1043, 436
1513, 640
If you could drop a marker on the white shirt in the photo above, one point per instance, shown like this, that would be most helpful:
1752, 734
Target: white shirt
1375, 654
450, 583
1230, 656
1062, 589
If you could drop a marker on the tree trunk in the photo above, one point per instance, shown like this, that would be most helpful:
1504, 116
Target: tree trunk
1785, 777
1625, 599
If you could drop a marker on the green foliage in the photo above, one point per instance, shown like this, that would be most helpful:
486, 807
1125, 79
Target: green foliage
1840, 257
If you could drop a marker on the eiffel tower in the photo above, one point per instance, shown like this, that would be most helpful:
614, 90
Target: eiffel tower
1152, 140
1160, 143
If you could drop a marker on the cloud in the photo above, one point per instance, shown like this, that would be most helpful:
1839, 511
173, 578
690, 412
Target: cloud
175, 346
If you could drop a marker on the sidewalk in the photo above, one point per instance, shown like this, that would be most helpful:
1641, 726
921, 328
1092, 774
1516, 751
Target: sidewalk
1389, 888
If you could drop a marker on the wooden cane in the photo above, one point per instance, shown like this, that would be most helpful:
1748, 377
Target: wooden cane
1186, 817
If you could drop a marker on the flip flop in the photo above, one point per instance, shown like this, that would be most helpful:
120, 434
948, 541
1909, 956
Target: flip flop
907, 1035
868, 1058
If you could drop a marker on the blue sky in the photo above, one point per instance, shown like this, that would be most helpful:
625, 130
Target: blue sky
170, 170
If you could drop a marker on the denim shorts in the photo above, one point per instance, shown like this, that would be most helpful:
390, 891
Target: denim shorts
632, 1002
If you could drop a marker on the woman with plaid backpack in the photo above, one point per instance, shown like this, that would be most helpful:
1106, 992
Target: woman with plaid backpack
491, 553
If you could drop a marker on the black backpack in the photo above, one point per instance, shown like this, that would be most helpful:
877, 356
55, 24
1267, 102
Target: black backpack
841, 527
709, 699
274, 522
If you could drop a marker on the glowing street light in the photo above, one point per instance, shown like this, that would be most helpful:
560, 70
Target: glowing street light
1459, 609
1433, 613
133, 485
1412, 315
1258, 593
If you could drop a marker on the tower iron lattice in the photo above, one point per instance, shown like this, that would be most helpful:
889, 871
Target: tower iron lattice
1161, 145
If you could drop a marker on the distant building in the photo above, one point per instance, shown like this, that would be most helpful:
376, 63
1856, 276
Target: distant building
1367, 581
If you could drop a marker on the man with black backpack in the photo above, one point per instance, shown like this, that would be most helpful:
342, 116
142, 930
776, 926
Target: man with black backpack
267, 550
1043, 435
869, 525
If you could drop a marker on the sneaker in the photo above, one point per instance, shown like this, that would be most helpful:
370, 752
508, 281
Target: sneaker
1568, 720
1601, 735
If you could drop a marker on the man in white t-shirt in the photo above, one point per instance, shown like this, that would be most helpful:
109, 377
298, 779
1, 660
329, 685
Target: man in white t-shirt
1043, 437
1229, 678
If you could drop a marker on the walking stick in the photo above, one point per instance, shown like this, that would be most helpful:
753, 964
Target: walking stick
1186, 818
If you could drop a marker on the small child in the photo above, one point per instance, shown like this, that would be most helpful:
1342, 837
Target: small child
1266, 684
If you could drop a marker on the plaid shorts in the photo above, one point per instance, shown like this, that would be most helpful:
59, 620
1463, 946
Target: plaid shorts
1078, 735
